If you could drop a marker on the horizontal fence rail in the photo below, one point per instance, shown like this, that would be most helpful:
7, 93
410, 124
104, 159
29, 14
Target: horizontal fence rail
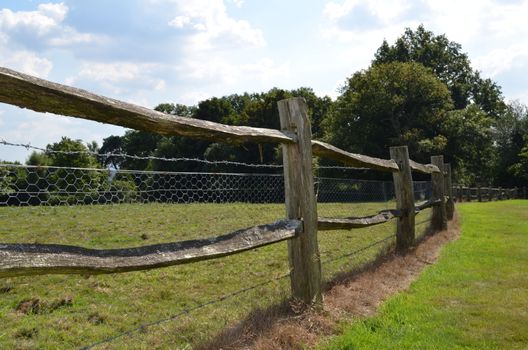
36, 259
44, 96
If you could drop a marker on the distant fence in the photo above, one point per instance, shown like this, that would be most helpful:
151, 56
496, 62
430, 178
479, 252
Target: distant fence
298, 189
487, 194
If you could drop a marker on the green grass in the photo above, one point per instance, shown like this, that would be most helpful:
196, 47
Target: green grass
105, 305
475, 297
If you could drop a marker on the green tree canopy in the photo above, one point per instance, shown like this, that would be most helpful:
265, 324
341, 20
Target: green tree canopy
386, 105
66, 153
452, 66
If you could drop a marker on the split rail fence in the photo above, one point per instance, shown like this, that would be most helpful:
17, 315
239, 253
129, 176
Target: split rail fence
300, 226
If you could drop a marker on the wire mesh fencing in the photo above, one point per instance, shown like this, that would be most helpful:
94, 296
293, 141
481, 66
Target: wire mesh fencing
423, 191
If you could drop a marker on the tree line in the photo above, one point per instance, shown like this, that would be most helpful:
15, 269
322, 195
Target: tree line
420, 91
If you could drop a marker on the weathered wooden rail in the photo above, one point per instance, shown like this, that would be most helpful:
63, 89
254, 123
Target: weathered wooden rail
299, 228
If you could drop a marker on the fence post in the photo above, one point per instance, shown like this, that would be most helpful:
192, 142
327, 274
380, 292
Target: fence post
460, 193
303, 251
524, 193
500, 194
479, 194
468, 196
439, 218
450, 205
403, 188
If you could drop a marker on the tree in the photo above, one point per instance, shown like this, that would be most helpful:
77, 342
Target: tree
470, 145
387, 105
446, 59
520, 169
71, 153
510, 136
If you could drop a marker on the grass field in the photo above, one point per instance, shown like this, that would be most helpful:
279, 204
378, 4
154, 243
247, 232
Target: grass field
474, 297
64, 312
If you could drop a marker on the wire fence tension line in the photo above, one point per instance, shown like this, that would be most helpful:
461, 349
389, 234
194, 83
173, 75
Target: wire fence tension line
185, 312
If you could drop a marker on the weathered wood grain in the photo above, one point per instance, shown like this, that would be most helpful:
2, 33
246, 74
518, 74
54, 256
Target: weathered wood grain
326, 150
450, 204
40, 95
404, 191
37, 259
303, 251
423, 168
426, 204
439, 217
328, 224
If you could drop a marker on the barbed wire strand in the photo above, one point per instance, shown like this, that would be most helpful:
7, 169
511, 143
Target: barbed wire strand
358, 250
183, 312
28, 146
222, 298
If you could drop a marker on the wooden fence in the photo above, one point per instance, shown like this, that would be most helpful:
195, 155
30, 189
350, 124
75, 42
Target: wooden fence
300, 227
487, 194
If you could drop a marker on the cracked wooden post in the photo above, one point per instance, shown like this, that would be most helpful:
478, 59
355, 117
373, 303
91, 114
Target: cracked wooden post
439, 218
450, 205
303, 251
403, 188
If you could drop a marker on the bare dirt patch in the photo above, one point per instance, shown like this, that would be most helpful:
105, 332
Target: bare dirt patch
350, 296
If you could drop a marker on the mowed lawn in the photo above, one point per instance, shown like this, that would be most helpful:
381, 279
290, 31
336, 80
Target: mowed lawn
474, 297
72, 311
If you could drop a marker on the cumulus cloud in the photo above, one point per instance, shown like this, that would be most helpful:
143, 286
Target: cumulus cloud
26, 62
212, 26
42, 28
120, 78
224, 72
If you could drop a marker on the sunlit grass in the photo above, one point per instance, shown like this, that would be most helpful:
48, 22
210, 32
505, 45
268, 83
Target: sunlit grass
105, 305
474, 297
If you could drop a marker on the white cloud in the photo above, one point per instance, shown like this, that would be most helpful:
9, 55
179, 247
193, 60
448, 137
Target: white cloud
180, 21
43, 27
227, 73
213, 26
500, 60
126, 80
237, 3
384, 10
25, 62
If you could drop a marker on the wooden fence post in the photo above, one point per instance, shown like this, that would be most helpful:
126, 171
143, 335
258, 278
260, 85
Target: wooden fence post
524, 193
460, 193
468, 195
403, 188
479, 194
450, 205
500, 194
439, 218
303, 251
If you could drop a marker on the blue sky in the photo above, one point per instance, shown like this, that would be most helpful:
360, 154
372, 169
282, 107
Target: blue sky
152, 51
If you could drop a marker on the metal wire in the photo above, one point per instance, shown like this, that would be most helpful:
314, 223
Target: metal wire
184, 312
129, 156
107, 155
22, 185
358, 250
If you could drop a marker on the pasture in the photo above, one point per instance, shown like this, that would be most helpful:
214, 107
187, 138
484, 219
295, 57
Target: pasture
63, 312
